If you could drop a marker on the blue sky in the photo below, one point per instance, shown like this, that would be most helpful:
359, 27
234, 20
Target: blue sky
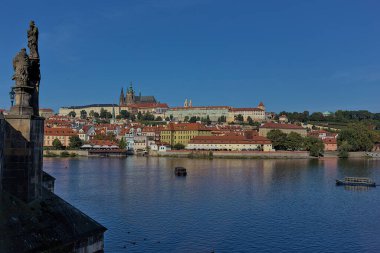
292, 55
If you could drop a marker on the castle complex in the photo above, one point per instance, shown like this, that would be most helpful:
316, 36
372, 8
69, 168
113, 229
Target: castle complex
131, 99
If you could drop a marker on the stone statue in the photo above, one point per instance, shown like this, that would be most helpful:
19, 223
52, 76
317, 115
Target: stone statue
33, 40
21, 66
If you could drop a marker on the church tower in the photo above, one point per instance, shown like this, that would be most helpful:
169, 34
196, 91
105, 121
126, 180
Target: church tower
261, 106
122, 99
130, 98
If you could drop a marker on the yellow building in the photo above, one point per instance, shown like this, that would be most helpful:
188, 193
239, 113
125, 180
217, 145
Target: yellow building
183, 132
62, 134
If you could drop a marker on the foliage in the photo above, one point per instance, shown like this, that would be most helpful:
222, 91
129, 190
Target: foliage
314, 145
109, 136
358, 136
57, 144
179, 146
239, 118
250, 120
294, 141
124, 114
206, 120
193, 119
186, 119
167, 119
72, 114
75, 142
96, 115
343, 149
278, 139
139, 116
91, 114
222, 119
159, 118
83, 114
104, 114
148, 116
122, 144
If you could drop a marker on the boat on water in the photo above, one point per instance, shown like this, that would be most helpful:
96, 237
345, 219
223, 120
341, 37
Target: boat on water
356, 181
180, 171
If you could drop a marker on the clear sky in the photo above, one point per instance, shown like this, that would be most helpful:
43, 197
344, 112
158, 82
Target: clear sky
293, 55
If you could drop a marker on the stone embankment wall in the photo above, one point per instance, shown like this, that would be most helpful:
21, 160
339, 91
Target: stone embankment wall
232, 154
58, 152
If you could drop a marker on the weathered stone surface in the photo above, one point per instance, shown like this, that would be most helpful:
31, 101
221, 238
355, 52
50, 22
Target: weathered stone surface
2, 133
22, 175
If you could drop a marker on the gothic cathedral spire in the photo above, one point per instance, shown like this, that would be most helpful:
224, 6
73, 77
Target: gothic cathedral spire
122, 99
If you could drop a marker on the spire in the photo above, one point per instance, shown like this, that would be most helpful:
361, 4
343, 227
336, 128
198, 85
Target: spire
122, 98
185, 104
130, 90
190, 103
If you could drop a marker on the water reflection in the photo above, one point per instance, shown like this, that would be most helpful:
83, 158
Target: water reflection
226, 205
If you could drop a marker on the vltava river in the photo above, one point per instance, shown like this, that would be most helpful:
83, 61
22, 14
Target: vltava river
224, 205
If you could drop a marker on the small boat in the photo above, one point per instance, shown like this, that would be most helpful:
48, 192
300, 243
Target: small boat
356, 181
180, 171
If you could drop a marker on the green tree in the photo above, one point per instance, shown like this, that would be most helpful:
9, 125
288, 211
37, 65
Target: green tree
124, 114
75, 142
72, 114
167, 119
294, 141
179, 146
193, 119
91, 114
103, 113
358, 136
148, 116
96, 115
250, 120
278, 139
57, 144
122, 144
83, 114
239, 117
159, 118
314, 145
186, 119
139, 116
343, 149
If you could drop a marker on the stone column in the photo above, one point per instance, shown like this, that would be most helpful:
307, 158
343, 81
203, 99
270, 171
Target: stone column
2, 130
23, 153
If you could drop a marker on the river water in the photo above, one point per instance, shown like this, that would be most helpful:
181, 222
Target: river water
224, 205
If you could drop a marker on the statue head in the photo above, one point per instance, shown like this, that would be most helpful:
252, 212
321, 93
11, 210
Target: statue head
32, 24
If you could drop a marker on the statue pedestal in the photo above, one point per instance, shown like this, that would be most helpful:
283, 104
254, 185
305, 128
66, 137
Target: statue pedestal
23, 154
23, 96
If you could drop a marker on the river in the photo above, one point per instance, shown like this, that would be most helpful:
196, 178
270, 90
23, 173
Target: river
224, 205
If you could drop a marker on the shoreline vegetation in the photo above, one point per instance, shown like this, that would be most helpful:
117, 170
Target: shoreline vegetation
221, 154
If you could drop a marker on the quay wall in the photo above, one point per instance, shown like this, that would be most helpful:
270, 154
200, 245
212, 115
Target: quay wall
58, 152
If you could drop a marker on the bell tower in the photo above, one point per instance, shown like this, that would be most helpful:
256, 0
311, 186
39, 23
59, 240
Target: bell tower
130, 98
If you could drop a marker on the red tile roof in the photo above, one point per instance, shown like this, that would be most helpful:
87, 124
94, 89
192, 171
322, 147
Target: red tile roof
55, 131
245, 109
149, 105
330, 141
200, 107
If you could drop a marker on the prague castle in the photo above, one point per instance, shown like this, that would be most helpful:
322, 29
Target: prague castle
131, 99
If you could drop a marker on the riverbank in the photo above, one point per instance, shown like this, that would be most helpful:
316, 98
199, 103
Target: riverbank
249, 154
214, 154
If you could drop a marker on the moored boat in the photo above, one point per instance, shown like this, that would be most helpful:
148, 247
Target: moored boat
180, 171
356, 181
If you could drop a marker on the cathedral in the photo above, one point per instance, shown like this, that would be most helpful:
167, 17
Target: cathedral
131, 99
